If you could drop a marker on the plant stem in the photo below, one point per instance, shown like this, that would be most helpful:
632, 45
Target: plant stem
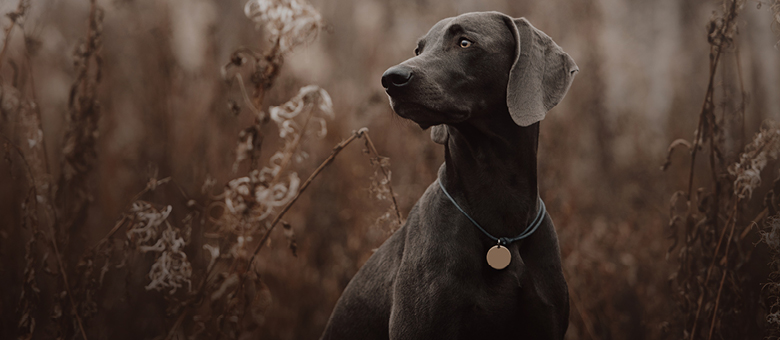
371, 146
336, 150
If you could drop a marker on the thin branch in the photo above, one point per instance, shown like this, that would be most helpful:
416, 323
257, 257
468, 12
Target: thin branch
702, 114
21, 8
336, 150
717, 302
719, 39
362, 133
288, 154
755, 221
707, 105
720, 289
246, 96
178, 322
371, 146
67, 285
700, 301
743, 102
27, 166
185, 310
111, 232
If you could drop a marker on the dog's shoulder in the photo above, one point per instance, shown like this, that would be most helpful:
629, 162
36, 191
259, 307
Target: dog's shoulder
378, 274
363, 310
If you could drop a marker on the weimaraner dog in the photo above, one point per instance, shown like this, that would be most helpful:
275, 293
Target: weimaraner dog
478, 257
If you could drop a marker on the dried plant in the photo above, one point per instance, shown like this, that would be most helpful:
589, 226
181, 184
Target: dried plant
82, 124
290, 22
747, 171
237, 297
150, 231
774, 6
241, 214
771, 236
39, 209
382, 190
36, 203
93, 237
712, 255
764, 148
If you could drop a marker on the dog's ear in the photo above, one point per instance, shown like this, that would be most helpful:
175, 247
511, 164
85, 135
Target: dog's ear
540, 76
439, 134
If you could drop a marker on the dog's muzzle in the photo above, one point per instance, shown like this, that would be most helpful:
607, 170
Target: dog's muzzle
396, 77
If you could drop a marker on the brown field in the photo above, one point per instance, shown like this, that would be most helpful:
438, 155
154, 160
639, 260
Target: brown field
134, 134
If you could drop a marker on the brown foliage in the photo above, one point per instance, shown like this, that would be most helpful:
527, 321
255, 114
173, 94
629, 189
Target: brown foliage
149, 168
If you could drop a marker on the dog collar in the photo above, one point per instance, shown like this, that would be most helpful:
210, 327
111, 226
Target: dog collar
499, 256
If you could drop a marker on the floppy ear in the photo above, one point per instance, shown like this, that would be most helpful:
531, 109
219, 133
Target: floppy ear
540, 76
439, 134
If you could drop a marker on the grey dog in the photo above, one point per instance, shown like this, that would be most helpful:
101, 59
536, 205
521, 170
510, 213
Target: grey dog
483, 81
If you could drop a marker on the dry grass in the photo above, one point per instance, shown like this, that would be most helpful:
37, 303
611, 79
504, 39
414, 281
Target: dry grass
150, 167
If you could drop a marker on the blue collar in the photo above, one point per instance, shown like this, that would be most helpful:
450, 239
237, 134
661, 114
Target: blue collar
504, 241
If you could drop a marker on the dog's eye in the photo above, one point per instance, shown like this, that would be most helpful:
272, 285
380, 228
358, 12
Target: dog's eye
416, 51
464, 43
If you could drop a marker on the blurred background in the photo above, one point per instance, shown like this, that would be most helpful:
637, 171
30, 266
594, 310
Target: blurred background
644, 67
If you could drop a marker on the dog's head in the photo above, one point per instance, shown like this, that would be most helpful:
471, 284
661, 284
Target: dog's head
476, 64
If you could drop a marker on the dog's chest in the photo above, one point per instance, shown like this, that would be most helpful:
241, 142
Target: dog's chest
478, 301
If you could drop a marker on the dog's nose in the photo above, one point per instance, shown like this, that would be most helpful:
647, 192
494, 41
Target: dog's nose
396, 76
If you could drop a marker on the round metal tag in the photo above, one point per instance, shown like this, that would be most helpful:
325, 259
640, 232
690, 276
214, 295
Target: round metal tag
498, 257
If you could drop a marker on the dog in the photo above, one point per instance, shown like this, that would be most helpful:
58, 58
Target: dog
482, 82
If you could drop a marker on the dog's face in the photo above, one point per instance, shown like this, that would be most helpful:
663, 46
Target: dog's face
461, 68
478, 64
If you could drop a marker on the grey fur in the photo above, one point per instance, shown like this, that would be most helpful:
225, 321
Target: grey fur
430, 279
439, 134
540, 76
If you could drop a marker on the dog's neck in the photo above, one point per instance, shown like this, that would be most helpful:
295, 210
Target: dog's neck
490, 170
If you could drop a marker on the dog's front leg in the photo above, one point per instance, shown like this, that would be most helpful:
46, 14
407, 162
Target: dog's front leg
426, 305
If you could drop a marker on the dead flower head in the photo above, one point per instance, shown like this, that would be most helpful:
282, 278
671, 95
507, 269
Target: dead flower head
250, 200
764, 146
307, 98
292, 127
291, 22
150, 231
771, 233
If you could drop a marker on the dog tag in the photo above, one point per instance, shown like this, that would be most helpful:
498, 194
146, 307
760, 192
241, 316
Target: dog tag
498, 257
